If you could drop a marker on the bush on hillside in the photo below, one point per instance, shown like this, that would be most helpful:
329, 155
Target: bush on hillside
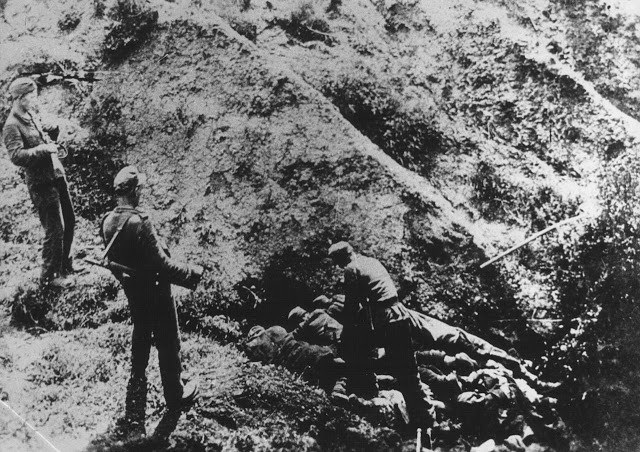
599, 295
133, 21
91, 167
499, 199
408, 134
99, 9
305, 23
82, 305
93, 163
30, 307
245, 28
69, 21
211, 310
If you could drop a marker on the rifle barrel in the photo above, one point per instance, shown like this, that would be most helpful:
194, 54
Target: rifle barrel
532, 238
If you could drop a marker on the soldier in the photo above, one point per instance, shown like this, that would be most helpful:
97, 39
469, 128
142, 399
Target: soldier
315, 327
31, 149
146, 279
374, 316
274, 345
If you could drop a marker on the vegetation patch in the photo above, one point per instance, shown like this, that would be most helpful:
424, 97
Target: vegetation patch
308, 410
499, 199
66, 309
245, 28
598, 300
69, 21
406, 133
91, 167
133, 21
296, 275
307, 24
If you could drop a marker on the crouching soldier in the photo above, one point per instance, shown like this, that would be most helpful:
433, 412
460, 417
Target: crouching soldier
375, 317
146, 273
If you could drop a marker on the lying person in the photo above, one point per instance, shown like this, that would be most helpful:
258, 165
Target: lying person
333, 306
316, 327
439, 343
274, 345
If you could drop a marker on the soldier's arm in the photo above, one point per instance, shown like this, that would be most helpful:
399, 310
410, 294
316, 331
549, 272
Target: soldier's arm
301, 332
155, 259
52, 130
353, 296
17, 152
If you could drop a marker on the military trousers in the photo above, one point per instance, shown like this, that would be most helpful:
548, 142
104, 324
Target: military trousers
55, 210
155, 320
391, 330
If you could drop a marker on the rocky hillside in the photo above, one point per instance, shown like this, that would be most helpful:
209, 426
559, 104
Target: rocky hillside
432, 135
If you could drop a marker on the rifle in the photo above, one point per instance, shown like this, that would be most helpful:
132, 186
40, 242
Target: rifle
113, 266
535, 236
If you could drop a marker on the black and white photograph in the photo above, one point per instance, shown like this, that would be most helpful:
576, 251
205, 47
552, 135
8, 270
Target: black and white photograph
320, 225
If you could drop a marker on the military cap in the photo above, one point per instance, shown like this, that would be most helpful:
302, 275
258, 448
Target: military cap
321, 301
21, 86
297, 314
340, 249
127, 179
255, 332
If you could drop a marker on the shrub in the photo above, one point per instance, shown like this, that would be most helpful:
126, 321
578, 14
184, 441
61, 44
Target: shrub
245, 28
81, 305
69, 21
132, 23
499, 199
599, 295
305, 24
93, 163
30, 306
91, 167
407, 134
98, 9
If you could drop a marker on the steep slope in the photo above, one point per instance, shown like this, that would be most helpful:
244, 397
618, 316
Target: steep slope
474, 135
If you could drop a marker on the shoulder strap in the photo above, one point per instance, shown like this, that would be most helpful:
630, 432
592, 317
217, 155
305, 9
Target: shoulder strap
115, 236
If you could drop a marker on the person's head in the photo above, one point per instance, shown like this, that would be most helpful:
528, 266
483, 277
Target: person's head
128, 185
321, 302
341, 253
297, 315
24, 93
255, 332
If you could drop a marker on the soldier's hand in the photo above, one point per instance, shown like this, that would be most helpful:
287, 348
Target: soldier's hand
51, 148
465, 363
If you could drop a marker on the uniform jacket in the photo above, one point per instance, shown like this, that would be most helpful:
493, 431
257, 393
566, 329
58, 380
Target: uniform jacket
367, 284
22, 134
319, 328
138, 247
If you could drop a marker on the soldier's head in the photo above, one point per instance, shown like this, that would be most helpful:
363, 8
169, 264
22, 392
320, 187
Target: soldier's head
297, 315
341, 253
23, 93
321, 302
128, 185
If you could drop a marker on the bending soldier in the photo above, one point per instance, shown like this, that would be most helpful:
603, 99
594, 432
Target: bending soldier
132, 242
374, 316
35, 152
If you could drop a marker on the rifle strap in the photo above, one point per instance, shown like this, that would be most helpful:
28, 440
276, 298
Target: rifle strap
113, 239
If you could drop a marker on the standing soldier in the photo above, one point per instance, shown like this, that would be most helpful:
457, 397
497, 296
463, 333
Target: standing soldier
31, 149
374, 316
146, 272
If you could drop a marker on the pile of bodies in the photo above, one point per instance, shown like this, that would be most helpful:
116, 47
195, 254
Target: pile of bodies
475, 389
